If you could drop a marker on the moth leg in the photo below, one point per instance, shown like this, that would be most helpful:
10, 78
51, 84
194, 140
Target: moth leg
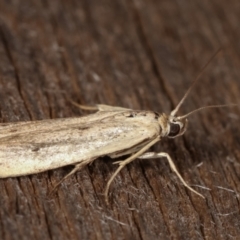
150, 155
98, 107
123, 163
76, 168
103, 107
88, 108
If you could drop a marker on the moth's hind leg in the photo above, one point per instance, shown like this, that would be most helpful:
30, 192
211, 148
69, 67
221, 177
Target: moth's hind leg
103, 107
98, 107
150, 155
88, 108
76, 168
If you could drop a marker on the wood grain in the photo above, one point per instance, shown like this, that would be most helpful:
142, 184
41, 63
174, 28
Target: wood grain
138, 54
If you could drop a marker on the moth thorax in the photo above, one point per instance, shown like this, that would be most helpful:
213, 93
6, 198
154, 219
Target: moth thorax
163, 121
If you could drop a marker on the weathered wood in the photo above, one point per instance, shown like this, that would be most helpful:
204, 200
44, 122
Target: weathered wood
136, 54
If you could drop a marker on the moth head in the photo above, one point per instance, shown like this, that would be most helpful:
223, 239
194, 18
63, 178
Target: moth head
176, 127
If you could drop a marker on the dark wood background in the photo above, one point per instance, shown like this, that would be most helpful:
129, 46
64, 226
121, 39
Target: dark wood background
138, 54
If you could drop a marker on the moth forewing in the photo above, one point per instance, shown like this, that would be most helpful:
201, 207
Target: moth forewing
32, 147
50, 124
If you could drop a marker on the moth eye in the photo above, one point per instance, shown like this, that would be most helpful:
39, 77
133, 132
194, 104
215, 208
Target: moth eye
174, 130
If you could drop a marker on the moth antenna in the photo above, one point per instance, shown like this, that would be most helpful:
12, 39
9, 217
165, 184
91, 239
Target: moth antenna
211, 106
174, 111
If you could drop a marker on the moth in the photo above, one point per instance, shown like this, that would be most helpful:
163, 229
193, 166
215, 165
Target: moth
36, 146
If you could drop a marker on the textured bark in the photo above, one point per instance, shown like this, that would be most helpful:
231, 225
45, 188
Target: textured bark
138, 54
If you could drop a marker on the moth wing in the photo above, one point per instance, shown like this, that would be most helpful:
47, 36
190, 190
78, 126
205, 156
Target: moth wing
48, 148
14, 128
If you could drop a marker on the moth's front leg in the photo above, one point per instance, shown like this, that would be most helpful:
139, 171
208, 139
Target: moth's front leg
123, 163
150, 155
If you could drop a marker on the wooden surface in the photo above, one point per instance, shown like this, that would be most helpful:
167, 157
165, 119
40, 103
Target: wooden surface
138, 54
